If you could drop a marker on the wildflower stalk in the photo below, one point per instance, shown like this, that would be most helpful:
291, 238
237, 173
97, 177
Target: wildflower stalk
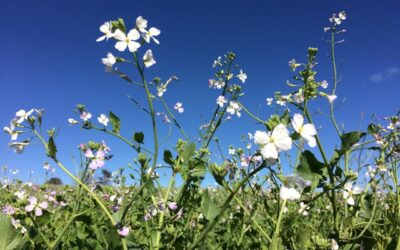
173, 118
275, 236
334, 81
161, 218
251, 114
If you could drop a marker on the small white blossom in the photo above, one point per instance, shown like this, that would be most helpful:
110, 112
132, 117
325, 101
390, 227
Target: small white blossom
293, 65
269, 101
289, 193
179, 107
148, 59
303, 209
349, 191
72, 121
234, 108
324, 84
103, 119
106, 29
273, 143
307, 131
85, 116
217, 62
141, 24
150, 34
128, 40
22, 115
331, 98
334, 245
109, 61
242, 76
18, 147
232, 151
221, 100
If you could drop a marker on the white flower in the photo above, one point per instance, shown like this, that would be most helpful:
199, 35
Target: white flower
221, 100
303, 209
85, 116
306, 131
106, 29
338, 20
161, 90
18, 147
72, 121
232, 151
269, 101
293, 65
278, 140
324, 84
46, 166
349, 192
217, 62
179, 107
150, 34
261, 137
298, 97
11, 130
103, 119
141, 24
331, 98
234, 108
109, 61
289, 194
148, 59
127, 40
242, 76
33, 204
22, 115
334, 245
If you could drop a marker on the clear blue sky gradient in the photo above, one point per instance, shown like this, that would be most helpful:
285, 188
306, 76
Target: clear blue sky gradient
50, 60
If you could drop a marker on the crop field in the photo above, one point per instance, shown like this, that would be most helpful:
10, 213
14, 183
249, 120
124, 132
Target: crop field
285, 187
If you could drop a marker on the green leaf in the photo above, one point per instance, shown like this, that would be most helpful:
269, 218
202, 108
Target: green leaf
139, 137
208, 208
51, 148
168, 157
115, 122
310, 168
10, 239
349, 139
188, 152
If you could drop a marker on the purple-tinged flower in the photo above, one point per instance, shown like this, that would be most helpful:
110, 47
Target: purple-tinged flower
34, 205
9, 210
123, 232
172, 205
95, 161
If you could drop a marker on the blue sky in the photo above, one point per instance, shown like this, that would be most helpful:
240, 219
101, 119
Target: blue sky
50, 60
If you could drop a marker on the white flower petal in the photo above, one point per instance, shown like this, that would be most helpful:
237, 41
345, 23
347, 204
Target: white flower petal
297, 122
269, 151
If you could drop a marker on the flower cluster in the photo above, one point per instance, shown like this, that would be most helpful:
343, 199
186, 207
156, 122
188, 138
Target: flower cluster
96, 154
128, 40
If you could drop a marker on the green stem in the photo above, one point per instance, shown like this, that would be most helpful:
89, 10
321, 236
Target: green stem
334, 82
161, 218
277, 226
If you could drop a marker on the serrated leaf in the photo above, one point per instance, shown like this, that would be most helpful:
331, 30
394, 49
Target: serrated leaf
139, 137
115, 122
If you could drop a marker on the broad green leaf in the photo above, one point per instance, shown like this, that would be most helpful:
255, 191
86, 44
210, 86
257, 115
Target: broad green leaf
115, 122
349, 139
10, 238
208, 208
139, 137
310, 168
168, 157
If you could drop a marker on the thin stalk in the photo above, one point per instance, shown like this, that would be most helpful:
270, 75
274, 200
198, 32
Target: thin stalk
161, 218
334, 82
277, 226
